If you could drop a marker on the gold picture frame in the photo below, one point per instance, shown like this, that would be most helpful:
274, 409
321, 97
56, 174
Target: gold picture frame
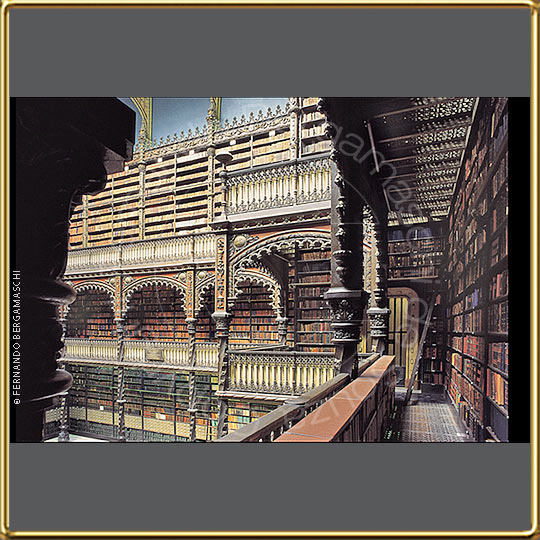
532, 5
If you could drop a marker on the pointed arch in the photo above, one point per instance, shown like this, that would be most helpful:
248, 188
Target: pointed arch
94, 286
279, 242
153, 281
257, 277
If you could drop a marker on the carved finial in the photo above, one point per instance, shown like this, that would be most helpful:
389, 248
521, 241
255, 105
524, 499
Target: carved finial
213, 119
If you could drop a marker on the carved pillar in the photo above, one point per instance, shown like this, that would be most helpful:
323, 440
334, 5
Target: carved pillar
85, 221
63, 436
120, 400
222, 319
212, 123
346, 295
142, 197
379, 313
211, 151
282, 329
64, 147
192, 399
294, 126
120, 320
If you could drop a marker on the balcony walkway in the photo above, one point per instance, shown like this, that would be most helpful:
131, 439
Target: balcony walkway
426, 418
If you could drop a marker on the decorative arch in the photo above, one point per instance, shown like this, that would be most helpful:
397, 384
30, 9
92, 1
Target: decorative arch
279, 242
201, 289
151, 281
257, 277
93, 286
84, 324
410, 333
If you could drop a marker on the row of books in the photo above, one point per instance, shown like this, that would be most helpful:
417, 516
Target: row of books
499, 212
498, 356
455, 324
474, 346
475, 246
323, 326
422, 271
474, 299
316, 256
472, 322
498, 285
474, 371
429, 245
497, 389
317, 278
498, 317
499, 247
415, 259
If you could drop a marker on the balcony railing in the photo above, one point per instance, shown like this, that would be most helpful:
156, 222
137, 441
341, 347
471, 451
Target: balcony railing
292, 183
278, 372
190, 248
360, 412
270, 426
143, 352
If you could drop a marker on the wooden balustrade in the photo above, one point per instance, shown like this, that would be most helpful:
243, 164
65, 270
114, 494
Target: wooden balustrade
142, 352
94, 349
206, 354
295, 182
278, 372
190, 248
358, 413
272, 425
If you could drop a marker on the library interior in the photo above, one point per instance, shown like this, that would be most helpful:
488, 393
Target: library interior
284, 270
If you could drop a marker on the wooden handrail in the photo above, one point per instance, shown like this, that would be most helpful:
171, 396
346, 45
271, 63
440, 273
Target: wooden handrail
279, 420
358, 412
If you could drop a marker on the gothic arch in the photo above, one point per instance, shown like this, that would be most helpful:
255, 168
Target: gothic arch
307, 238
201, 290
152, 280
257, 277
93, 286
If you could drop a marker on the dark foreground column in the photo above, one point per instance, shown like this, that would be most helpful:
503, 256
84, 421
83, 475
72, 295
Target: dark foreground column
64, 147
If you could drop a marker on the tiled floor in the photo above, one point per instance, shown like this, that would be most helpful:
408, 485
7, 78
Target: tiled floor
426, 418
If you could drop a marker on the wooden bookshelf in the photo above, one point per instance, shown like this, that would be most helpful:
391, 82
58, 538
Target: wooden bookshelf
91, 316
416, 253
432, 367
253, 317
477, 277
156, 314
241, 413
312, 312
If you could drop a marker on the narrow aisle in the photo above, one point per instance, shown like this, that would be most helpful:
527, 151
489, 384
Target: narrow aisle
426, 418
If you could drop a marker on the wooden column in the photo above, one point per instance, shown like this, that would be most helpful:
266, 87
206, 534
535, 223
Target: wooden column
142, 197
191, 322
63, 436
222, 319
85, 221
64, 147
346, 295
379, 313
120, 321
294, 126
